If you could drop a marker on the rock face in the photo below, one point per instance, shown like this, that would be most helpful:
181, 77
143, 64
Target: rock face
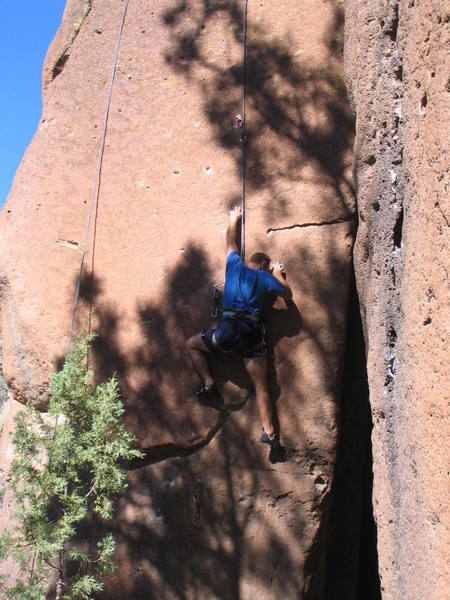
397, 68
170, 172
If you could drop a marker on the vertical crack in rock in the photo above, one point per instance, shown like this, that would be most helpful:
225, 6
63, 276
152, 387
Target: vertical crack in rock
398, 229
395, 70
65, 52
381, 177
392, 23
392, 77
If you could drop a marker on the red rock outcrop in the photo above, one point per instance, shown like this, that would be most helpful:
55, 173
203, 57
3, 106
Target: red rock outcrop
397, 69
170, 172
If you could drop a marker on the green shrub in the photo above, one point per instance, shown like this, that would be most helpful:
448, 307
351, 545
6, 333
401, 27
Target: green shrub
67, 464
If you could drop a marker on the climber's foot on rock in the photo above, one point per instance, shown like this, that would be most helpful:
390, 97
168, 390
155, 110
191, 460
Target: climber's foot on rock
209, 396
273, 440
277, 452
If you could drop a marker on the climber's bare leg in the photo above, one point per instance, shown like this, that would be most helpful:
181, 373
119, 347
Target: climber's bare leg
257, 369
197, 351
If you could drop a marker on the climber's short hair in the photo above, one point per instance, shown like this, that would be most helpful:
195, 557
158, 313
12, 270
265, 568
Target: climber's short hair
260, 258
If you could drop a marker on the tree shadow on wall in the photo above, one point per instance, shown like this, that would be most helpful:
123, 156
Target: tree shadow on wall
175, 558
184, 453
168, 555
298, 111
162, 554
284, 98
157, 380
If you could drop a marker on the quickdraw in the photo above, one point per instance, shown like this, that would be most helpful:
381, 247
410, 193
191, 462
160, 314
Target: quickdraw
240, 126
214, 312
197, 517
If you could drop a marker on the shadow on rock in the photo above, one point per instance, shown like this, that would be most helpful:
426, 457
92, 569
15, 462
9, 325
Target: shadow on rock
204, 509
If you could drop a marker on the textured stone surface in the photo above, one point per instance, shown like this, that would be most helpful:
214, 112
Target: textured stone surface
397, 68
6, 456
3, 386
170, 172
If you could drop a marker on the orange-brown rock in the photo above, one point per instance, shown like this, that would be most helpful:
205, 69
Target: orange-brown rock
397, 68
171, 170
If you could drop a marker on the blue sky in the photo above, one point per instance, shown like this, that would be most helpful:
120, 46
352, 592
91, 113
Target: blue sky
27, 28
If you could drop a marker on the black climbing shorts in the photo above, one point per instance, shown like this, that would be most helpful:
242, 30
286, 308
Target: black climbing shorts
239, 332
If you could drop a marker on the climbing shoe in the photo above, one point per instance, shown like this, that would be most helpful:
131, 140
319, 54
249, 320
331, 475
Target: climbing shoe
207, 393
209, 396
273, 442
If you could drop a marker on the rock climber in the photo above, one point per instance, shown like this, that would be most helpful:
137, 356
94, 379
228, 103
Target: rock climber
247, 288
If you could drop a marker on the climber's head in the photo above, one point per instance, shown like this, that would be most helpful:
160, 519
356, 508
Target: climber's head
259, 261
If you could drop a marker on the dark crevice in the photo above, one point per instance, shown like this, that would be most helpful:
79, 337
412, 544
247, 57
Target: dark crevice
157, 454
398, 229
393, 25
352, 556
59, 65
64, 56
424, 102
162, 452
392, 366
311, 224
392, 337
397, 159
369, 585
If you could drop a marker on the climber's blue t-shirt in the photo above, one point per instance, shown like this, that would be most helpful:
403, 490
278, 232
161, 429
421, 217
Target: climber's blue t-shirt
246, 288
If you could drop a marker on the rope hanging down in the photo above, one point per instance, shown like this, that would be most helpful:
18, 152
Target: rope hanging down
241, 125
95, 188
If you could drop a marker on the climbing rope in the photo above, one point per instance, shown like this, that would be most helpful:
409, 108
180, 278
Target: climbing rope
95, 189
241, 125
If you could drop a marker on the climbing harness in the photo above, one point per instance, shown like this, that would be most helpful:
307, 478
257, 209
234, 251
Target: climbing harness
95, 189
